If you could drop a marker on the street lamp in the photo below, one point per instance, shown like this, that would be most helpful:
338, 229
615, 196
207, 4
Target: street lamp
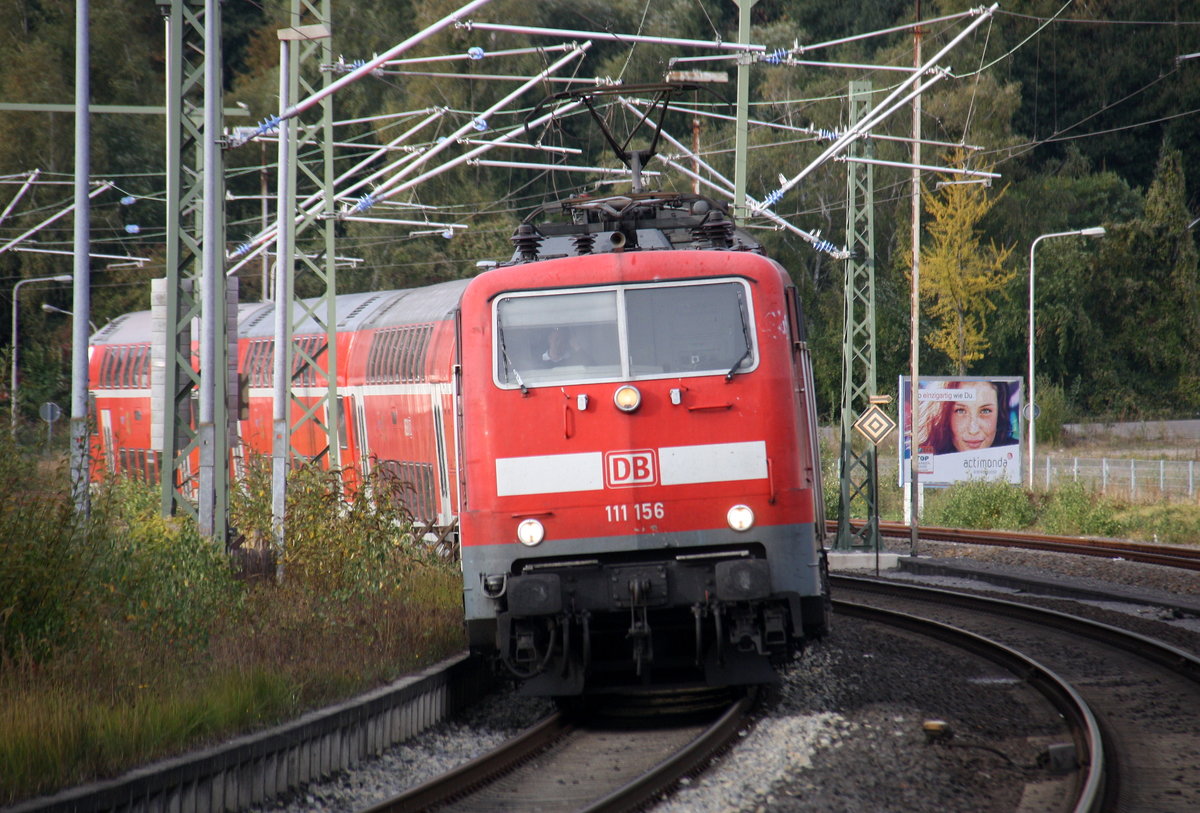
12, 390
1095, 231
48, 308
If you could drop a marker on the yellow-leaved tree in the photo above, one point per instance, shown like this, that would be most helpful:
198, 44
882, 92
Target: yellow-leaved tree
960, 276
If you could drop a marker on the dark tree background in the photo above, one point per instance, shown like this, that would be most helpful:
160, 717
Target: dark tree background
1089, 117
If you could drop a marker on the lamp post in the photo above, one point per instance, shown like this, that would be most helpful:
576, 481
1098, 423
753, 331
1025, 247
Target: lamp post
12, 390
48, 308
1095, 231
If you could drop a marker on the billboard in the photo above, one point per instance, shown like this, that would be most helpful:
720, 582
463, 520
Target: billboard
968, 428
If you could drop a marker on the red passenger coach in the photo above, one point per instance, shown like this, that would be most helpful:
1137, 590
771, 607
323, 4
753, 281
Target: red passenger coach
395, 350
642, 489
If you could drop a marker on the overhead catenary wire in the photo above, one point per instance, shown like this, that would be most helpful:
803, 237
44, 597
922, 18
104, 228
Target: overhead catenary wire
885, 107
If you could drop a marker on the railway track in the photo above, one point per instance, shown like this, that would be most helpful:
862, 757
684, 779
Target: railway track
1144, 694
582, 763
1168, 555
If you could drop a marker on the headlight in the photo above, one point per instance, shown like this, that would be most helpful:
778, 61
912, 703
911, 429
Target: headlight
627, 398
740, 518
530, 532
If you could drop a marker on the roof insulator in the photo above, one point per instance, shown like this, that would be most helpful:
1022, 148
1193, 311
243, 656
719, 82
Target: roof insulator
527, 242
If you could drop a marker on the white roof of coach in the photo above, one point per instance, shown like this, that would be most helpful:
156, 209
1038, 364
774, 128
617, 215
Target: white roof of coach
372, 309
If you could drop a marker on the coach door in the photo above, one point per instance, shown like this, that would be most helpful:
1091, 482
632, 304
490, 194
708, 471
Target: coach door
110, 459
444, 509
359, 410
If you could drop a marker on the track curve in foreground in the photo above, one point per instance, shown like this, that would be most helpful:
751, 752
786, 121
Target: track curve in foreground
1081, 722
560, 765
1144, 693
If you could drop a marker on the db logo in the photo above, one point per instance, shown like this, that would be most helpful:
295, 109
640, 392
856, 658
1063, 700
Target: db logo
634, 468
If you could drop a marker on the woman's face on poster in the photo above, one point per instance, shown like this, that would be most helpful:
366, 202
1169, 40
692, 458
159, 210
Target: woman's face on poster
973, 423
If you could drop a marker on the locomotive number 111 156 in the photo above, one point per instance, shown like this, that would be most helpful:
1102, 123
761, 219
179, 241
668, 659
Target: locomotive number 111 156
639, 511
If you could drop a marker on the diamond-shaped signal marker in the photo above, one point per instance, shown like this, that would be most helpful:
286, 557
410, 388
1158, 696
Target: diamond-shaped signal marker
875, 424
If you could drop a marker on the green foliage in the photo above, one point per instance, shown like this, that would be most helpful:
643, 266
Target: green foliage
124, 574
831, 484
343, 541
1054, 411
992, 505
1174, 524
127, 636
1074, 510
960, 277
156, 578
42, 565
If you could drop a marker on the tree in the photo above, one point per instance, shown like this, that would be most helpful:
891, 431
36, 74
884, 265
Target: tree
1144, 297
959, 276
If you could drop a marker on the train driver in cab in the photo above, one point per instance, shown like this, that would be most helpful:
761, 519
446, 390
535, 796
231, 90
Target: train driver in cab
564, 347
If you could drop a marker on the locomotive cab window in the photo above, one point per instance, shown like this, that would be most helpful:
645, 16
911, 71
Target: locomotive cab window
622, 333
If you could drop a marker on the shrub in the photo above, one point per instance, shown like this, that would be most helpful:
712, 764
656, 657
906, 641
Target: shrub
1072, 509
42, 565
1053, 411
990, 505
339, 542
831, 483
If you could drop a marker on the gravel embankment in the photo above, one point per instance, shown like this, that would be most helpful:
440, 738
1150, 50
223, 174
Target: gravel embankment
844, 731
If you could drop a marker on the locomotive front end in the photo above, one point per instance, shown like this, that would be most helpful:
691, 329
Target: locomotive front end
638, 479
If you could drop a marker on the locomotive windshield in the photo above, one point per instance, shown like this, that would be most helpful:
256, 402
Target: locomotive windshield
623, 332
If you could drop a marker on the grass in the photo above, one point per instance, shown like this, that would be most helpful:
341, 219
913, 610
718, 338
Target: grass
1070, 510
127, 638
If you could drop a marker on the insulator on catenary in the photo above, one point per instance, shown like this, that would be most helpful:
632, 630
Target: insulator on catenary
772, 198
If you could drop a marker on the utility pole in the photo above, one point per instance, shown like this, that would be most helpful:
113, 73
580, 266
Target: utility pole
213, 426
741, 146
915, 304
82, 299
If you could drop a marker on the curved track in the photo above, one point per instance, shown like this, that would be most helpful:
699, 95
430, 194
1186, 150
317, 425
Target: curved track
561, 766
598, 765
1145, 694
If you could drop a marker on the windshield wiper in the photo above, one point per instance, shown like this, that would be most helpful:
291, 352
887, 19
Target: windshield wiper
504, 352
746, 336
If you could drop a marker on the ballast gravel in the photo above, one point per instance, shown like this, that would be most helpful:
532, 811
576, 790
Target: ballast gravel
842, 732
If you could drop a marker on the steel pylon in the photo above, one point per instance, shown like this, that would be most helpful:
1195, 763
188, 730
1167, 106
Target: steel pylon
183, 379
857, 469
311, 261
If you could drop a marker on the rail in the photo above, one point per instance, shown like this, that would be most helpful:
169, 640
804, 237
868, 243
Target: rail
1166, 555
1081, 722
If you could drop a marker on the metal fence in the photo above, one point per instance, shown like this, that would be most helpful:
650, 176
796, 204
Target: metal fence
1120, 478
1134, 480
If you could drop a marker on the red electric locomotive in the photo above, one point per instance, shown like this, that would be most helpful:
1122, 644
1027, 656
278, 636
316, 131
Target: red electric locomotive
641, 481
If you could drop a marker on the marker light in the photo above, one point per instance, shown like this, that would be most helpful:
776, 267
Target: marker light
530, 532
627, 398
740, 518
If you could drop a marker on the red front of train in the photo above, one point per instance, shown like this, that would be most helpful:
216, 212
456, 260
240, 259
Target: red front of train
641, 492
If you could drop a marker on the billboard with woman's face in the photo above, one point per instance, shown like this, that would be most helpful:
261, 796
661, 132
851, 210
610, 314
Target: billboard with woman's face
966, 429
